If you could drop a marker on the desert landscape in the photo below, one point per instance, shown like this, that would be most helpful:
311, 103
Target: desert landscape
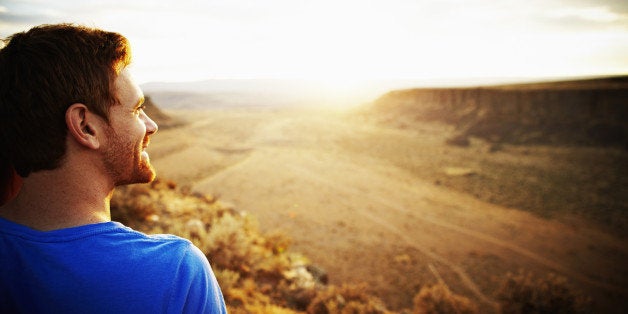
399, 207
380, 157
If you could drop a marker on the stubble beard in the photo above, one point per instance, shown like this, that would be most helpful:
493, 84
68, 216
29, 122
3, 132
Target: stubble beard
124, 162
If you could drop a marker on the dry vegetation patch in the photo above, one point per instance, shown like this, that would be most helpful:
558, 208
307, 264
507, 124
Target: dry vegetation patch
525, 293
259, 274
551, 181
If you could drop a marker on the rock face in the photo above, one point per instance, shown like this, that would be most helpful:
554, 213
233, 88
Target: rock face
587, 112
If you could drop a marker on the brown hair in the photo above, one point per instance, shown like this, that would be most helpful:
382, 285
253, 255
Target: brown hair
42, 72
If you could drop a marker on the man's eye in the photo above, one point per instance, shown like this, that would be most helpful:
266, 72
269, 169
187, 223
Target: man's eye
140, 108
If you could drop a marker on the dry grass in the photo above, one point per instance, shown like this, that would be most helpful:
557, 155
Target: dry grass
439, 299
258, 273
346, 299
523, 293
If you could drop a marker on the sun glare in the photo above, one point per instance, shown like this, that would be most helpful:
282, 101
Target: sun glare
342, 44
595, 14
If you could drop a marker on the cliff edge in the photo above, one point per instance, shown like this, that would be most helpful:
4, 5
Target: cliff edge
581, 112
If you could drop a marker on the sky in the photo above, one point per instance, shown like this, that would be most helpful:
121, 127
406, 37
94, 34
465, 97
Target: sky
340, 41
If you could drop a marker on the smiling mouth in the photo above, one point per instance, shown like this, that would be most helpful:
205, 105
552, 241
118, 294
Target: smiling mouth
145, 143
144, 153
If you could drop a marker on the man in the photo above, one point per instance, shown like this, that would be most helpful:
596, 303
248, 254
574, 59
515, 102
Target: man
72, 128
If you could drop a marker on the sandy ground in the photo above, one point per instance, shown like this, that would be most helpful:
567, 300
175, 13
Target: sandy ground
364, 220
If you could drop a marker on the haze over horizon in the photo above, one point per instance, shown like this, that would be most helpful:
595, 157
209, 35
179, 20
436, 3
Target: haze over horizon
343, 43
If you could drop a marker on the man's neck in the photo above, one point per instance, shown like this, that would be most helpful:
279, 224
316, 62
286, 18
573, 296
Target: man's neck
57, 199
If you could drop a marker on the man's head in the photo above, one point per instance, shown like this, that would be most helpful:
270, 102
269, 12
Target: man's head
42, 73
127, 135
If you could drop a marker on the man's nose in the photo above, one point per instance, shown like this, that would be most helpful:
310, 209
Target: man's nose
151, 126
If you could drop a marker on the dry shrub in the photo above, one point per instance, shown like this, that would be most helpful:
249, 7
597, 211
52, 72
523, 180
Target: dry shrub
251, 268
277, 242
136, 207
347, 299
522, 293
227, 279
249, 298
294, 297
162, 205
231, 244
246, 295
439, 299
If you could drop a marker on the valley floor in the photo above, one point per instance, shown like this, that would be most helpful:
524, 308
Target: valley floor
327, 179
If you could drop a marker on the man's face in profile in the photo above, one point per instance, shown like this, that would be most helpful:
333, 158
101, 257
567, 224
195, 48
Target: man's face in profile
125, 157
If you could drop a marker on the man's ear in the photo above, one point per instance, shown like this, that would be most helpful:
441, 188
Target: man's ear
82, 125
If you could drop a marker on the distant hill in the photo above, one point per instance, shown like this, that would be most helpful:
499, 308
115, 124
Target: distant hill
255, 93
225, 93
580, 112
162, 119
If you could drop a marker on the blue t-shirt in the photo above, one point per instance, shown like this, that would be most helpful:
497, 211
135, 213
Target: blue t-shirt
103, 268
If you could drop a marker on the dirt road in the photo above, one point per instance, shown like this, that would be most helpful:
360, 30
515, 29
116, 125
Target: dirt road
365, 220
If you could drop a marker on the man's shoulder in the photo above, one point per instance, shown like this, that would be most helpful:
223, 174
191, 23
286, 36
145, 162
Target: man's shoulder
159, 247
193, 284
102, 243
125, 233
168, 258
110, 260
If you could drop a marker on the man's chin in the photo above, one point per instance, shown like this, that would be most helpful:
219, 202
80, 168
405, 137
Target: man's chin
144, 174
147, 174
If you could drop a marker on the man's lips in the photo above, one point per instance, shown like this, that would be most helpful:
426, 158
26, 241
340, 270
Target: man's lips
145, 143
144, 146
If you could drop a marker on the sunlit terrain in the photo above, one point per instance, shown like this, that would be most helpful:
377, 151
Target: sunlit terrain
376, 197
